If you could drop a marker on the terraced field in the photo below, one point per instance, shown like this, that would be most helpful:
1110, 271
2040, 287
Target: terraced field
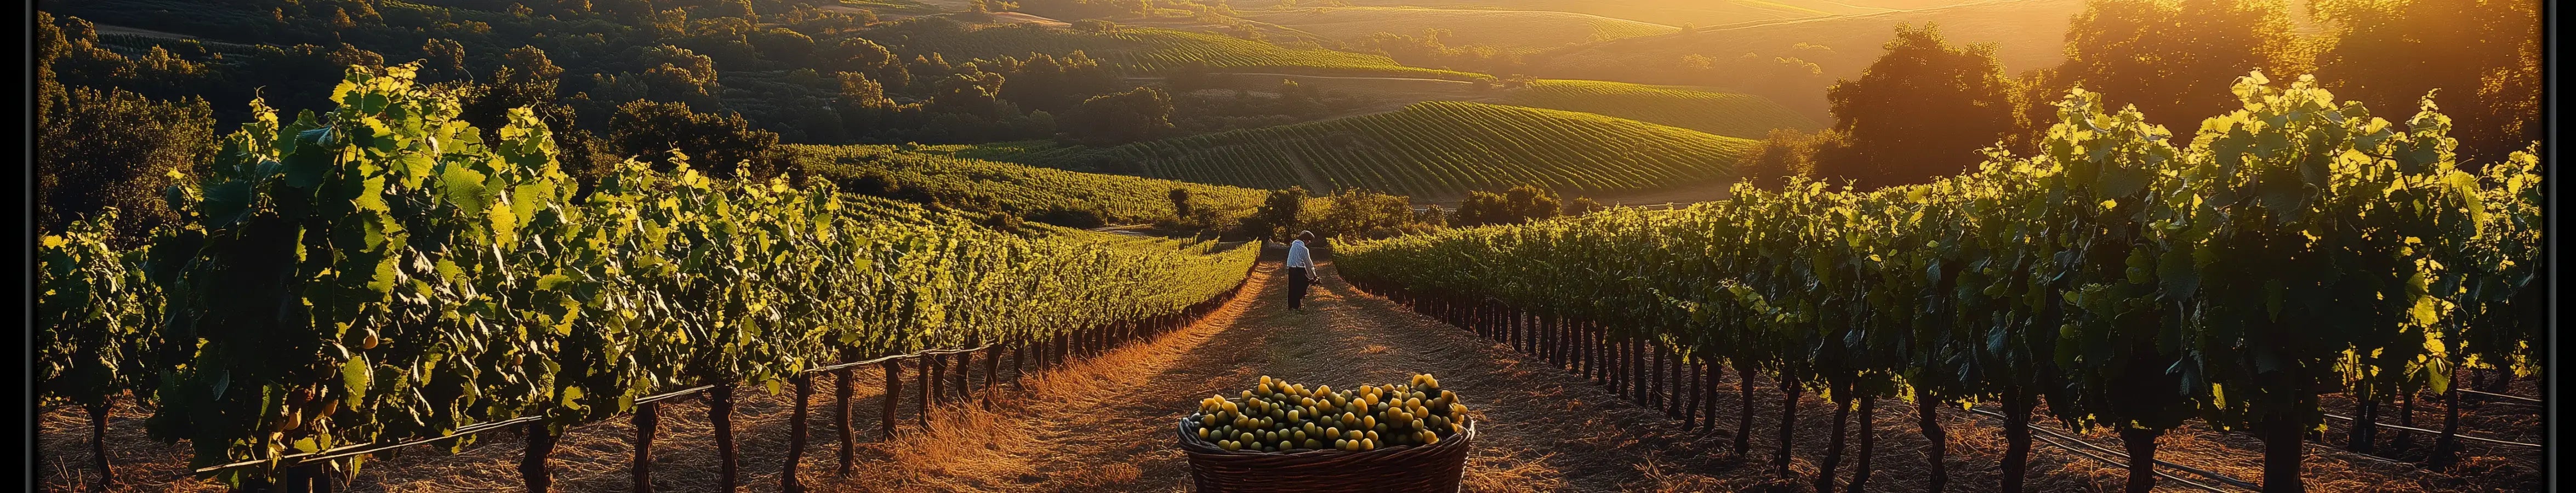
1525, 29
1431, 150
1028, 190
1141, 50
1705, 110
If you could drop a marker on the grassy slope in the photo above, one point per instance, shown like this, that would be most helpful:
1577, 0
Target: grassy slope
1721, 113
1432, 150
1500, 28
1027, 190
1666, 12
2028, 34
1152, 50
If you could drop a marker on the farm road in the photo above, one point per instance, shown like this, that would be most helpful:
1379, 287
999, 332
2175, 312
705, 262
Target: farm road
1107, 425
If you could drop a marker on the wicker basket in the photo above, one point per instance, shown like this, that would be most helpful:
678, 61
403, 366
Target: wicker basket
1434, 468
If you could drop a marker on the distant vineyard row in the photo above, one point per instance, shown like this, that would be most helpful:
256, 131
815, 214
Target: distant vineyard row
1154, 51
1026, 190
1721, 113
1438, 148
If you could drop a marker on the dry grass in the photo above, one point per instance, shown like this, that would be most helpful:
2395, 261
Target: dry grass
1106, 424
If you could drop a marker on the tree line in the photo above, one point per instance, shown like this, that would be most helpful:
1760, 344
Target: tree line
1925, 104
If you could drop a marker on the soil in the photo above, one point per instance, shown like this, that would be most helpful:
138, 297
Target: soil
1106, 424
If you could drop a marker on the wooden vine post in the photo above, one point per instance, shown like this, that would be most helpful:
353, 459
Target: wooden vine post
787, 480
893, 394
849, 435
720, 413
992, 376
929, 390
646, 419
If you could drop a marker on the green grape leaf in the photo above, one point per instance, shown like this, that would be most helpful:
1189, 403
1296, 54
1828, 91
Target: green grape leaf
465, 188
354, 377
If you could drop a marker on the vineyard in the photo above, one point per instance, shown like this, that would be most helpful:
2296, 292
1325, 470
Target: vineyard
1022, 189
376, 277
2295, 251
1720, 113
1666, 12
1521, 29
1145, 50
1439, 148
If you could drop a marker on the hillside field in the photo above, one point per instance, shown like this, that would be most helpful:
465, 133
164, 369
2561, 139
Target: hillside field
2028, 34
1029, 191
1520, 29
1666, 12
1431, 149
1721, 113
1150, 50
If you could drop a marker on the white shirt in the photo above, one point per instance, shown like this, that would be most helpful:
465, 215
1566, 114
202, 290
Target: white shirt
1297, 256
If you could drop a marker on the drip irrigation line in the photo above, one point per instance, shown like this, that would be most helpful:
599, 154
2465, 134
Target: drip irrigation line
2506, 396
2122, 462
2222, 478
2437, 432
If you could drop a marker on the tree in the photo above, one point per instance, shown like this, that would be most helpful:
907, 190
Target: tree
1519, 205
1134, 116
2482, 55
1180, 202
783, 46
1582, 205
1277, 218
347, 55
673, 73
1367, 214
1530, 202
647, 130
115, 149
2173, 59
1095, 26
975, 93
732, 8
444, 58
860, 55
1789, 153
528, 79
1920, 111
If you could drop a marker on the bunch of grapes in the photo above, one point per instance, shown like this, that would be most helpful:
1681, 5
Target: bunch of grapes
1277, 416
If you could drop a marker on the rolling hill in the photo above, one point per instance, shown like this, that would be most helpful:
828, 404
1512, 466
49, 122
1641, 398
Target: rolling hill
1666, 12
934, 175
1721, 113
1431, 150
1141, 49
1519, 29
2028, 34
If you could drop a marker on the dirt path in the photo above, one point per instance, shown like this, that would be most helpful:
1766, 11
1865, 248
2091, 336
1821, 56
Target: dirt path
1110, 426
1107, 424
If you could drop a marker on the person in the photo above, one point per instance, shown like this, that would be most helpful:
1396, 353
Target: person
1301, 270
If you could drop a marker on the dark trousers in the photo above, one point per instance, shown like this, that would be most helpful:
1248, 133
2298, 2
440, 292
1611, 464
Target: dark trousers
1298, 278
